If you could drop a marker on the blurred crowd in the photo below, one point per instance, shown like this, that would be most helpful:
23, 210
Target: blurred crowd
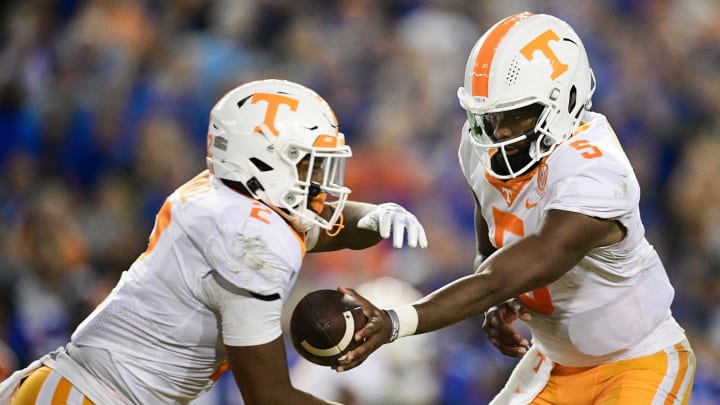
104, 107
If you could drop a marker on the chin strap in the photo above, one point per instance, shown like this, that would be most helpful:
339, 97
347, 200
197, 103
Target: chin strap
317, 204
337, 226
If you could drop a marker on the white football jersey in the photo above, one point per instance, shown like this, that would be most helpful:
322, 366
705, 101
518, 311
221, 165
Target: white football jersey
615, 303
158, 337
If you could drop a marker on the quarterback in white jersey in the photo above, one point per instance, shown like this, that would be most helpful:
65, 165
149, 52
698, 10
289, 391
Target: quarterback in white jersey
560, 239
207, 294
615, 302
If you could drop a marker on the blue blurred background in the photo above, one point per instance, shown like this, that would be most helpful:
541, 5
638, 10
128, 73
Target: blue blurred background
104, 107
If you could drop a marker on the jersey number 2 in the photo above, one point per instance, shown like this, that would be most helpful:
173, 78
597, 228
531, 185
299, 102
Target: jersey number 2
537, 300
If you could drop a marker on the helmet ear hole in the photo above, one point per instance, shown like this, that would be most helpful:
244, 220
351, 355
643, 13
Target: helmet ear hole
262, 166
572, 100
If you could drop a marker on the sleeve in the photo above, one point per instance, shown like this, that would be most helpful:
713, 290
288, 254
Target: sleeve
260, 257
247, 320
604, 187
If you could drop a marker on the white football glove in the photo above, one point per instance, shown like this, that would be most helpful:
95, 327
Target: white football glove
393, 217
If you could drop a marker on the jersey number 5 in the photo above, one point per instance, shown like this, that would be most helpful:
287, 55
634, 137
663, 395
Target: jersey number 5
537, 300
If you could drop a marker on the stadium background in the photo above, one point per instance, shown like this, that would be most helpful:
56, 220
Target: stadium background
104, 106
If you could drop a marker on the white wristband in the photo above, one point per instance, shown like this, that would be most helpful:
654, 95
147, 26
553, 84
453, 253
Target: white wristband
404, 321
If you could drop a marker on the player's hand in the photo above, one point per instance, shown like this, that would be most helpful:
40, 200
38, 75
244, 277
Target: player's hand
374, 334
391, 217
498, 327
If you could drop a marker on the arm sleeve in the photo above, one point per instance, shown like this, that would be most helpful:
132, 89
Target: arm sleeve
247, 319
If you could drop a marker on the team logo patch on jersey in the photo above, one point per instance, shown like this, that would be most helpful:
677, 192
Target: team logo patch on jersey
508, 195
542, 178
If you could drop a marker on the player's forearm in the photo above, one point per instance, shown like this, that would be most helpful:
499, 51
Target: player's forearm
515, 269
463, 298
350, 236
301, 397
354, 237
285, 394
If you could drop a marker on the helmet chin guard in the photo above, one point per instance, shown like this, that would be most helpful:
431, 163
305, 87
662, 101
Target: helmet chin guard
280, 140
522, 60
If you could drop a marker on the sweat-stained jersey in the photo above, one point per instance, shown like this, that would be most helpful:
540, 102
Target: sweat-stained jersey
615, 303
158, 337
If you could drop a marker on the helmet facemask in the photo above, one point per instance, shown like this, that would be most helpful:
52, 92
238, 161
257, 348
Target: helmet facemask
511, 157
319, 185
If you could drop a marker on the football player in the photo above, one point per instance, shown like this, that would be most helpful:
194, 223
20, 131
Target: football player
206, 296
559, 234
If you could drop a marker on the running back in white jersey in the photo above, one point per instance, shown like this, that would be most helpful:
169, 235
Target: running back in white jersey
157, 336
612, 303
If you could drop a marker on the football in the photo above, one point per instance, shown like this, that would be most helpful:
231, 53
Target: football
323, 324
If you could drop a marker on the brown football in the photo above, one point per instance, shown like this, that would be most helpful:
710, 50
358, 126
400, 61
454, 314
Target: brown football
323, 325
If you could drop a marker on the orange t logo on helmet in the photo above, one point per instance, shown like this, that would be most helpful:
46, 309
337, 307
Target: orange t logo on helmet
542, 43
274, 101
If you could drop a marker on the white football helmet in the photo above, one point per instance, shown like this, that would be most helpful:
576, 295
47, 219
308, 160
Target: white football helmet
527, 59
280, 140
